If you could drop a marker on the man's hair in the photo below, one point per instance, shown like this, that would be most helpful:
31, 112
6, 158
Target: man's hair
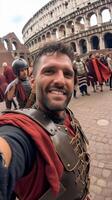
51, 48
90, 55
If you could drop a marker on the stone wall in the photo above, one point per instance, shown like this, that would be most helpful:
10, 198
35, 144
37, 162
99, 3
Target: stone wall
11, 47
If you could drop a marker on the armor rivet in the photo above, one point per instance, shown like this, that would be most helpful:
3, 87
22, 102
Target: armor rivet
51, 130
65, 128
68, 165
58, 127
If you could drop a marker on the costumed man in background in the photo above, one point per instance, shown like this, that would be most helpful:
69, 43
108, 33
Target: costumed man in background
10, 76
3, 86
109, 61
81, 76
43, 150
75, 81
97, 72
20, 87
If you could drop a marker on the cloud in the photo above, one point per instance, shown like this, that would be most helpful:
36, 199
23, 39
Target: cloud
15, 14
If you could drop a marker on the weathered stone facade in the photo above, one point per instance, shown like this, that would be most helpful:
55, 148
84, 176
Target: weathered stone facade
11, 47
62, 20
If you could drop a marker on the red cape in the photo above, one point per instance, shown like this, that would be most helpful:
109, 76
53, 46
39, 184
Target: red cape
53, 166
102, 72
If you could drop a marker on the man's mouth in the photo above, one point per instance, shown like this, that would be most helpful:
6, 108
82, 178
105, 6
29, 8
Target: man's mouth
57, 91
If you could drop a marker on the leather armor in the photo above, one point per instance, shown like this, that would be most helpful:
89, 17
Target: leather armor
72, 151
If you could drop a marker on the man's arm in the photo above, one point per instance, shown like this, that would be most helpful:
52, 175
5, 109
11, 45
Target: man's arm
10, 94
5, 158
17, 154
10, 90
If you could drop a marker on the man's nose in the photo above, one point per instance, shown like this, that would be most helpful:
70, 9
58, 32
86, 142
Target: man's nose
59, 78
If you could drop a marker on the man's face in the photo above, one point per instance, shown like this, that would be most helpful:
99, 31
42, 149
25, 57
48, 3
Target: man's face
54, 82
23, 74
78, 59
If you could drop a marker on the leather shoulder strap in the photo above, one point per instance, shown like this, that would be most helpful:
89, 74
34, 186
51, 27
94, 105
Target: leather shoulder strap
37, 116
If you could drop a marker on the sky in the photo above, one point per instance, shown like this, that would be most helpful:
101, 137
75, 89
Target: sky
14, 14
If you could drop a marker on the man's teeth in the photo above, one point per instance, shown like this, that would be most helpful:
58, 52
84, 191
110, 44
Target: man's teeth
57, 92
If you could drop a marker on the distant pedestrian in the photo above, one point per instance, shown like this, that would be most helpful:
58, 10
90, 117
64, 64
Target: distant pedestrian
81, 76
3, 85
109, 61
10, 76
75, 81
8, 72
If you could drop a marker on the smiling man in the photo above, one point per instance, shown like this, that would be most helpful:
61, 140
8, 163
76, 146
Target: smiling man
45, 156
54, 82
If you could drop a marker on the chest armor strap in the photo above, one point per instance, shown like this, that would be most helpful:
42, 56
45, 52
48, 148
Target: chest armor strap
72, 152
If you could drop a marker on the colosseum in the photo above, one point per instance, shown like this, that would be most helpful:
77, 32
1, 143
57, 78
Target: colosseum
81, 23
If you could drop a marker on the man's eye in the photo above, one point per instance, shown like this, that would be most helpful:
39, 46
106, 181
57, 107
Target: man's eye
49, 71
68, 74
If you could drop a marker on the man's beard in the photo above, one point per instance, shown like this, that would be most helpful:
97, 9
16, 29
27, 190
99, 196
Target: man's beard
48, 105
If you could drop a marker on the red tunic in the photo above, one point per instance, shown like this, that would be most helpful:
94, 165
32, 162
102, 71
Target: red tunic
3, 85
47, 167
9, 74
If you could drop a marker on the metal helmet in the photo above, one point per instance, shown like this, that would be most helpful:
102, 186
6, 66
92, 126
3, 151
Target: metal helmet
19, 64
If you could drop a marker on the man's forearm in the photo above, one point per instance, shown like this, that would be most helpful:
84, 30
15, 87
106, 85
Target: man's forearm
10, 94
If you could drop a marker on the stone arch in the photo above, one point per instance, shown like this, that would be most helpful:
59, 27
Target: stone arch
6, 44
73, 46
105, 13
94, 40
80, 23
35, 40
62, 31
14, 45
43, 38
108, 40
55, 33
83, 46
22, 55
48, 36
70, 26
92, 17
32, 43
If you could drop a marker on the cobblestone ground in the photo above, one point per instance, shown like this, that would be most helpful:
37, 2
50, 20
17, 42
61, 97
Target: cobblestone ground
95, 115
